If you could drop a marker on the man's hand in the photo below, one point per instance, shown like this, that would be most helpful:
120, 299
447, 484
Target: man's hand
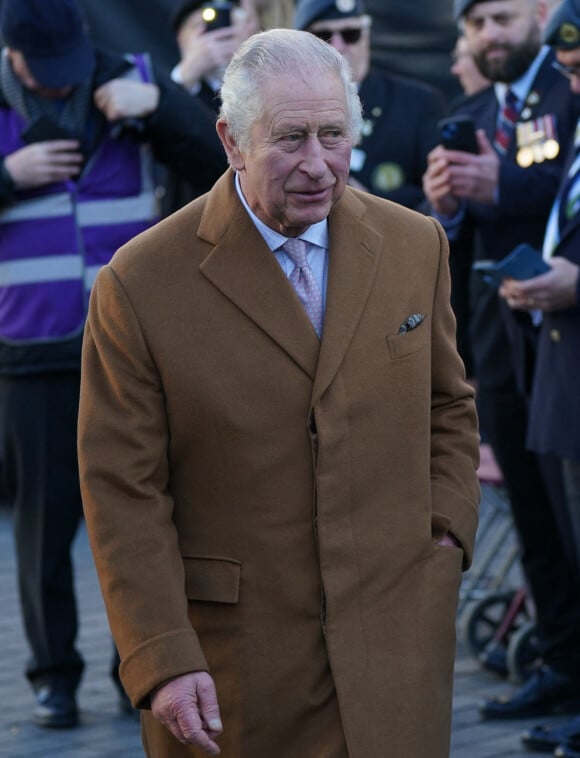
448, 540
454, 174
205, 52
44, 163
553, 291
475, 177
202, 52
437, 185
122, 98
188, 707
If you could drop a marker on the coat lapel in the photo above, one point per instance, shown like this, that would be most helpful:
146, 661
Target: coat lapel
245, 271
354, 256
243, 268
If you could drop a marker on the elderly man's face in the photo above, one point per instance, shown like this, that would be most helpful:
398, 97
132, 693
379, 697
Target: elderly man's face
298, 162
504, 37
339, 33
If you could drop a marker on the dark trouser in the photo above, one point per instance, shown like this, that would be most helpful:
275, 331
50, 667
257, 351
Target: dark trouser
38, 421
572, 485
547, 558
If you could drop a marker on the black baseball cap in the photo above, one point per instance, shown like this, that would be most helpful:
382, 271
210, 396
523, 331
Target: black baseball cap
52, 37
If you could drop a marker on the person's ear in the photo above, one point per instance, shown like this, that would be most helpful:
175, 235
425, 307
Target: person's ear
235, 156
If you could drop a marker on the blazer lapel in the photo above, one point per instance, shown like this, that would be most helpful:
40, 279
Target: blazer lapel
245, 271
354, 256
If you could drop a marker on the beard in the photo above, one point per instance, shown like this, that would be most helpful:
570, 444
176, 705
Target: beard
514, 65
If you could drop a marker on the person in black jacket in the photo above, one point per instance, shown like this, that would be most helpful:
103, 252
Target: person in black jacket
401, 114
78, 131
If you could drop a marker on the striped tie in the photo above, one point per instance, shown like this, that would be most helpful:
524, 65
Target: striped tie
506, 124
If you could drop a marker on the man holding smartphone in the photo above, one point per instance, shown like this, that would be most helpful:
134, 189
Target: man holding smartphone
207, 35
503, 194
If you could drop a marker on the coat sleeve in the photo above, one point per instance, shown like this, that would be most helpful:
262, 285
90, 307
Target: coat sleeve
455, 488
124, 471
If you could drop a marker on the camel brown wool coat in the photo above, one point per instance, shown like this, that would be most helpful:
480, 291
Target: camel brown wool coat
266, 506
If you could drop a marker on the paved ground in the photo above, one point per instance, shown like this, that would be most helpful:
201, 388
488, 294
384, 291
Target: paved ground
105, 733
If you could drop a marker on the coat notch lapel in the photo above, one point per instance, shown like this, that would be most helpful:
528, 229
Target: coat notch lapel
354, 257
245, 271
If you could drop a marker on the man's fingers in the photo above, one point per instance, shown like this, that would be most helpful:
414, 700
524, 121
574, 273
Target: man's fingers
208, 705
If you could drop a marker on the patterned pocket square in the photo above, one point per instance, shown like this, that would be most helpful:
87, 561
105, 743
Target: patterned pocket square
412, 322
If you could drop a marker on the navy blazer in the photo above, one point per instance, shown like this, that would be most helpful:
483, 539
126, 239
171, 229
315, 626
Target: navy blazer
400, 129
503, 343
555, 407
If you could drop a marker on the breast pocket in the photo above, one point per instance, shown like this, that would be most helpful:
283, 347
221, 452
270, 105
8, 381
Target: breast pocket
214, 580
400, 345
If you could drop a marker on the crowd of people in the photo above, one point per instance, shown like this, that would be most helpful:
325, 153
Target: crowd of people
263, 493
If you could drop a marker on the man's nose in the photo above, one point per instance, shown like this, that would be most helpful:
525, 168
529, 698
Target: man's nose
313, 162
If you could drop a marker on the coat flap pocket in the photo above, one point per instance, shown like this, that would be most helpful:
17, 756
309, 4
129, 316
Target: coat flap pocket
410, 342
216, 580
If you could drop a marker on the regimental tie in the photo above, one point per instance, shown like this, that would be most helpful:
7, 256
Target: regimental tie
506, 124
304, 282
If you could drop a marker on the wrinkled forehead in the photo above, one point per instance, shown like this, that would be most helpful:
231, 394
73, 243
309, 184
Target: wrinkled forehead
304, 100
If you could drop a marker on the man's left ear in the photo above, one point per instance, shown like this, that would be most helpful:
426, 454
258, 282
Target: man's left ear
235, 156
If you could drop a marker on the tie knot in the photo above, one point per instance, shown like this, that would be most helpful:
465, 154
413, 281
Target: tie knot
296, 250
511, 100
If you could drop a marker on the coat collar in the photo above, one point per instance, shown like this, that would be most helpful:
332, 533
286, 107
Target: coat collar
243, 268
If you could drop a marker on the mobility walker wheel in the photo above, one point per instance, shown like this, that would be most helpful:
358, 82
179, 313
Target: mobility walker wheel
489, 625
522, 652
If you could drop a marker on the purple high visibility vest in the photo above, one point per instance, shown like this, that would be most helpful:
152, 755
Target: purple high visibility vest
54, 239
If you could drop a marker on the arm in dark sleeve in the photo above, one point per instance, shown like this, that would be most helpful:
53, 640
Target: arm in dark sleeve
182, 132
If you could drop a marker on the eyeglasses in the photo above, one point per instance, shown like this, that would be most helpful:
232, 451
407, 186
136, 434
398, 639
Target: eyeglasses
570, 72
349, 36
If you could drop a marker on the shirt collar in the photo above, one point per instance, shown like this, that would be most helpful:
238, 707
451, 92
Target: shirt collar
522, 86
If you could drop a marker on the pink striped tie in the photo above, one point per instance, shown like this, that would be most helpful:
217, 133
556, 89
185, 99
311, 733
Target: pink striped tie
304, 281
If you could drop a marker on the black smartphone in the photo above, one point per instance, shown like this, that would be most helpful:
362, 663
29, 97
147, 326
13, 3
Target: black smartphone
458, 133
217, 15
524, 262
43, 129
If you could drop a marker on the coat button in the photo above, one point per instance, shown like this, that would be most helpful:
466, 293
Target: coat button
555, 335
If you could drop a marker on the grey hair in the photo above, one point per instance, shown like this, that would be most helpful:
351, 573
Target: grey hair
280, 51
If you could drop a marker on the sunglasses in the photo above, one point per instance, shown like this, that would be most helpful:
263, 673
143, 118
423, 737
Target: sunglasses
570, 72
349, 36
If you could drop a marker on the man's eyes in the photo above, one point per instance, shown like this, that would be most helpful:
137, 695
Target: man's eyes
328, 135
